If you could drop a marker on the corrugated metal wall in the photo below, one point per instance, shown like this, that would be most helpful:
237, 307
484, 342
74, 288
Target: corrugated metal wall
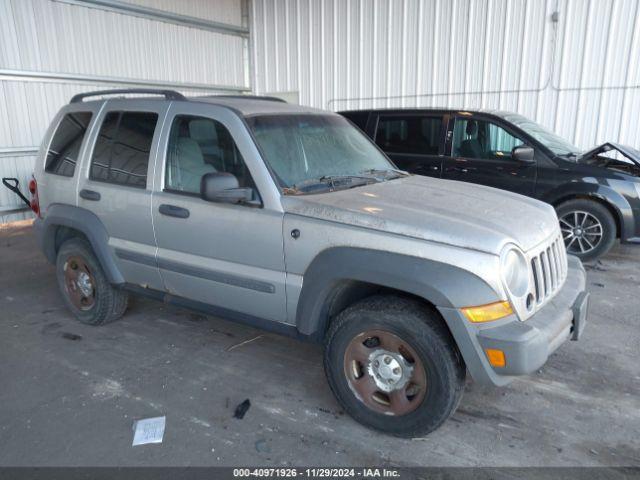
579, 75
70, 38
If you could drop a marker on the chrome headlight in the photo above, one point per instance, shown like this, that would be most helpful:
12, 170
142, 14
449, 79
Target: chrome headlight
514, 271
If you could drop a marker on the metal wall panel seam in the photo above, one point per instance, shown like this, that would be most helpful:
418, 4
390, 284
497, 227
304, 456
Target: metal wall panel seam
287, 42
549, 84
126, 8
602, 78
634, 37
37, 60
246, 45
61, 77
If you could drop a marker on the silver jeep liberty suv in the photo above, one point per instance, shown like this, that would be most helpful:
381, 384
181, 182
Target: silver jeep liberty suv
290, 219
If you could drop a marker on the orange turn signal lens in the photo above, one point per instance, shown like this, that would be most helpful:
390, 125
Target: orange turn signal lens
496, 357
487, 313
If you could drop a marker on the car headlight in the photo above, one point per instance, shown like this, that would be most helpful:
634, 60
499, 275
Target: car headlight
637, 185
514, 271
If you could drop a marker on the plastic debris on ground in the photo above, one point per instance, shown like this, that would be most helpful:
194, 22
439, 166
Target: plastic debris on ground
242, 409
148, 430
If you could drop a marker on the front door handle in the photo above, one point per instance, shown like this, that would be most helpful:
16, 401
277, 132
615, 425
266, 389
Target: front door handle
173, 211
90, 195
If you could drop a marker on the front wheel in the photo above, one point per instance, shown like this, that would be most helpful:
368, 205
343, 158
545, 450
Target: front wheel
393, 365
588, 228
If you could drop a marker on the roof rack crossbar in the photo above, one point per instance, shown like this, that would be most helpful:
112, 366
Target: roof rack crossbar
168, 94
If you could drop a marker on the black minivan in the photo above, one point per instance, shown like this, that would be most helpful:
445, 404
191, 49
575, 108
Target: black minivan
596, 194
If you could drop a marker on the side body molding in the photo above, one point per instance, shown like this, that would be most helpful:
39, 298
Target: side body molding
84, 221
441, 284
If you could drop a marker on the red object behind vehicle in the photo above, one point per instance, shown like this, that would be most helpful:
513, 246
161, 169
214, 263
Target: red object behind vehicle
35, 201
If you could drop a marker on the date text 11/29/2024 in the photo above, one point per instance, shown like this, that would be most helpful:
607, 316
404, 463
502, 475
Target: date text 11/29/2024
293, 472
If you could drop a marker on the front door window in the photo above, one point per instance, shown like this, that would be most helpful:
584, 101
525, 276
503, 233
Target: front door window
197, 146
482, 139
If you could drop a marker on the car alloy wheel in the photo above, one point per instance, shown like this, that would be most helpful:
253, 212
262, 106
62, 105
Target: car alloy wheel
582, 232
385, 373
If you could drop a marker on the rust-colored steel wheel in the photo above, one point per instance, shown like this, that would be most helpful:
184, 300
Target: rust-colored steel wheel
393, 365
385, 373
79, 283
84, 285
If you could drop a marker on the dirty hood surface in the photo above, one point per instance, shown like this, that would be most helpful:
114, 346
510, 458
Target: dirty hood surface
443, 211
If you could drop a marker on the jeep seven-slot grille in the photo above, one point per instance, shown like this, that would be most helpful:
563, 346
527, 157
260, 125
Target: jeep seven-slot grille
549, 269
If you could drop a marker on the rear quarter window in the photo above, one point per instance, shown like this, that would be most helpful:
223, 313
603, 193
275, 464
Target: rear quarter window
64, 147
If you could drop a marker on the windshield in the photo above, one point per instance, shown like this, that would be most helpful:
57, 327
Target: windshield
553, 142
303, 149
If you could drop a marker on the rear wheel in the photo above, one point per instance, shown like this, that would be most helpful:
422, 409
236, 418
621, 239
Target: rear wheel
588, 228
393, 365
84, 286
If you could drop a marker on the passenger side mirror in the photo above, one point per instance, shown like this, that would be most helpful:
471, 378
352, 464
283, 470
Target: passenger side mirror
523, 154
223, 187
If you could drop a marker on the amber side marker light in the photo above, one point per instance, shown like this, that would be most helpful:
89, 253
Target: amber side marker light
496, 357
487, 313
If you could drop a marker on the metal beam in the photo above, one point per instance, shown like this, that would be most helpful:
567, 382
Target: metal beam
18, 151
60, 77
12, 209
161, 15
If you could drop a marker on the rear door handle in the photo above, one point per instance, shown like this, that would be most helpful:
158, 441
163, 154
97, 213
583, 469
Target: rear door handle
90, 195
173, 211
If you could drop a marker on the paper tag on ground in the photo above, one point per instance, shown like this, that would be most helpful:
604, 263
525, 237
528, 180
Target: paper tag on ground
149, 430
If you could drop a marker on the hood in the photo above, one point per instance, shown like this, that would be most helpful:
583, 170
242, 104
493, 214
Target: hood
630, 153
444, 211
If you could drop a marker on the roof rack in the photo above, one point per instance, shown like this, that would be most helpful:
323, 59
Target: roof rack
250, 97
168, 94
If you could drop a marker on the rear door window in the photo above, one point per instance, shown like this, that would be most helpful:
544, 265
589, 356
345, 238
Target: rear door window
64, 148
121, 153
415, 134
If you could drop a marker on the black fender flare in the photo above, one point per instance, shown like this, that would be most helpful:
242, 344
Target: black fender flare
441, 284
84, 221
599, 192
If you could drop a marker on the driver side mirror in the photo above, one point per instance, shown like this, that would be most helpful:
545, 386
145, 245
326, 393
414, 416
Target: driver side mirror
223, 187
523, 154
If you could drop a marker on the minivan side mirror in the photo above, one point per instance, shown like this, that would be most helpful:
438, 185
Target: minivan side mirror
223, 187
523, 154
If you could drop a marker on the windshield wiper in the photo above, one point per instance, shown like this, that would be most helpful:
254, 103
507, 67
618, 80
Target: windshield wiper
333, 182
386, 172
573, 156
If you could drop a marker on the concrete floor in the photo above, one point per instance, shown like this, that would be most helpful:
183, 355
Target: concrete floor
69, 393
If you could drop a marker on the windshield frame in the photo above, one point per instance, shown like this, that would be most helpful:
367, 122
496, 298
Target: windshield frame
280, 184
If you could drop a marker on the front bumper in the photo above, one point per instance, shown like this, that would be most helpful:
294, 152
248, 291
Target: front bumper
526, 345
